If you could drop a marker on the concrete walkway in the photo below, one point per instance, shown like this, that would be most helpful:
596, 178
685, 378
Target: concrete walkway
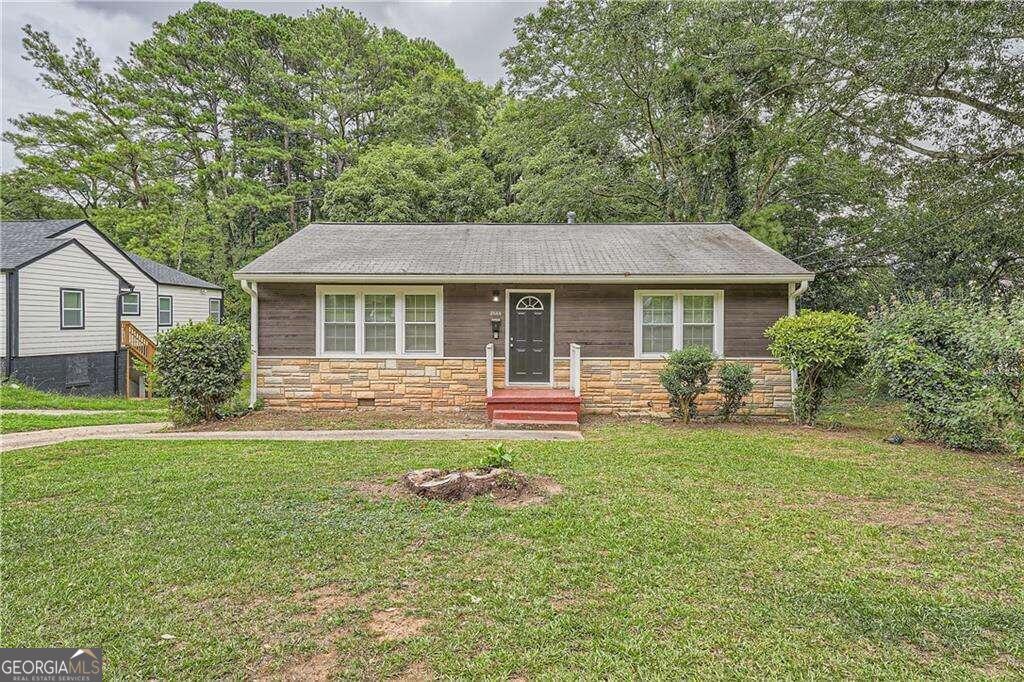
31, 439
52, 412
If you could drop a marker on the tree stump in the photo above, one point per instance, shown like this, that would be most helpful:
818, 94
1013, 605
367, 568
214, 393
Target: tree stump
435, 484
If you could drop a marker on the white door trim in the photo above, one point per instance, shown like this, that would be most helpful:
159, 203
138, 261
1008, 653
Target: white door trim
551, 338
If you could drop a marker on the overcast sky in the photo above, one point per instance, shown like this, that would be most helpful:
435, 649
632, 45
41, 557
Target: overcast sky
473, 32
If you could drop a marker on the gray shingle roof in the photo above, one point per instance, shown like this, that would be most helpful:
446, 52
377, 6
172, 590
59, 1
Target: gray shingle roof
164, 274
675, 249
23, 240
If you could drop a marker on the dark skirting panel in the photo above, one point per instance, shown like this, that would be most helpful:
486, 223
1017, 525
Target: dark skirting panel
72, 373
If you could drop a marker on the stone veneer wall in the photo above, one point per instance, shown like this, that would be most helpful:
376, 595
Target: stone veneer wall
612, 386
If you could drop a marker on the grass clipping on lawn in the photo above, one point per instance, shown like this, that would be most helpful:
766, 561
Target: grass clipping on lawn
506, 487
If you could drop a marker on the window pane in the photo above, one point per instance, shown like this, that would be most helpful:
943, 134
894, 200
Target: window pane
657, 338
215, 310
130, 304
165, 304
340, 308
72, 299
699, 309
420, 308
379, 338
420, 338
380, 308
340, 336
657, 309
699, 335
72, 318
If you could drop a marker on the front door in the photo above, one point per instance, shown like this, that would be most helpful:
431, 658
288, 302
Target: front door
529, 337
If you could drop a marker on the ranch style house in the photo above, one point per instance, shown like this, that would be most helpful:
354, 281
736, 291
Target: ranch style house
532, 323
77, 311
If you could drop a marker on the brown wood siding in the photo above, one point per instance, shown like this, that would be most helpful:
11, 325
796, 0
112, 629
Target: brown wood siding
467, 320
597, 316
600, 317
749, 310
287, 324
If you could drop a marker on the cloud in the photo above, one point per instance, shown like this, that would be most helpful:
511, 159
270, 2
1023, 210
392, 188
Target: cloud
473, 32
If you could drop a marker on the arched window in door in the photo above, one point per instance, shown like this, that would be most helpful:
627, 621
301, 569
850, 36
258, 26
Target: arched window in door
529, 303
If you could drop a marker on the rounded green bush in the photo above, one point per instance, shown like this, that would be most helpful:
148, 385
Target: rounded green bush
736, 379
200, 367
823, 348
685, 377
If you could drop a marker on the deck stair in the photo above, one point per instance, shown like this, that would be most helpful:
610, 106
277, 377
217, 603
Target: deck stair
140, 349
549, 407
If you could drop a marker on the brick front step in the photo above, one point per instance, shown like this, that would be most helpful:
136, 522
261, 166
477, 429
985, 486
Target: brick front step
544, 426
519, 406
525, 416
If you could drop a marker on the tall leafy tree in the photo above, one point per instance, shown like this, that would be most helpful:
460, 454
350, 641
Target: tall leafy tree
398, 183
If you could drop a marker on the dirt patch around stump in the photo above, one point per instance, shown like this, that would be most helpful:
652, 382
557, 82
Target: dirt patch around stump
508, 489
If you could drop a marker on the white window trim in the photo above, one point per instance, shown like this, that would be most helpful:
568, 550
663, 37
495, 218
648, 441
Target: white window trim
399, 294
677, 318
138, 304
170, 311
220, 309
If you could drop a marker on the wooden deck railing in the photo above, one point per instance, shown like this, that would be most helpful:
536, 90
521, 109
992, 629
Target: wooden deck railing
141, 348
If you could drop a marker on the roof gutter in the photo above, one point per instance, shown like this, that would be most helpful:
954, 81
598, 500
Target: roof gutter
335, 278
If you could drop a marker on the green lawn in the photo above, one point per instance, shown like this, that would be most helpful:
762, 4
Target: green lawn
10, 423
26, 397
710, 552
853, 406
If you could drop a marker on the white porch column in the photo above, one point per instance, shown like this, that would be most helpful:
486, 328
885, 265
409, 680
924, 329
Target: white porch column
489, 353
574, 368
254, 319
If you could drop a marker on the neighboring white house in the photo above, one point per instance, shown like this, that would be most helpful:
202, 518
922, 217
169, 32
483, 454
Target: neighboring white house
65, 290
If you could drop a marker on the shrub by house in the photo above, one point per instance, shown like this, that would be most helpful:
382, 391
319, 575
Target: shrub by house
200, 367
823, 347
685, 377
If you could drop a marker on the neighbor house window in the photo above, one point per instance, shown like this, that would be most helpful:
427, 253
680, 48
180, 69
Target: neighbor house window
131, 304
378, 320
668, 320
215, 310
165, 311
72, 309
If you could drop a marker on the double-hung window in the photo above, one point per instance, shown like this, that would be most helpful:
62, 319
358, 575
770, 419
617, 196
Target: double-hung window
421, 323
667, 320
379, 322
165, 311
72, 309
215, 310
389, 321
339, 323
131, 304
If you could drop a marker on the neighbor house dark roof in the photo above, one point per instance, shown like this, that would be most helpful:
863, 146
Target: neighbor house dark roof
165, 274
22, 241
25, 240
672, 250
